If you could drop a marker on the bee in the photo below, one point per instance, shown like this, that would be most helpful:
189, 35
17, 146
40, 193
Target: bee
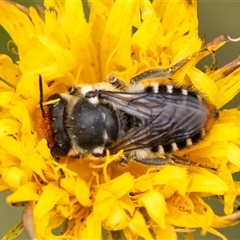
144, 121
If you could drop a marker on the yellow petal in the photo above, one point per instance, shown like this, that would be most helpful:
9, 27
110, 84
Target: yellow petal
82, 192
174, 177
14, 176
91, 229
139, 227
8, 127
117, 220
155, 204
140, 39
119, 186
237, 186
228, 88
233, 154
168, 234
116, 51
25, 193
9, 71
204, 84
37, 20
205, 181
103, 204
49, 54
224, 131
127, 204
217, 233
45, 225
3, 185
230, 195
189, 217
50, 196
144, 183
19, 30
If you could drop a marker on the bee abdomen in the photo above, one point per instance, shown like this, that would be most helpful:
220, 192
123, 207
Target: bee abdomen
174, 146
190, 139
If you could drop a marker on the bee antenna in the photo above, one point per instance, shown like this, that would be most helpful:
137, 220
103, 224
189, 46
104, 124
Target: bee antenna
41, 95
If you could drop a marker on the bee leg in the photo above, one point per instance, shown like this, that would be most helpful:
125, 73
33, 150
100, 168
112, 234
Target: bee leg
165, 73
160, 73
62, 175
169, 159
123, 163
124, 160
116, 82
187, 162
155, 161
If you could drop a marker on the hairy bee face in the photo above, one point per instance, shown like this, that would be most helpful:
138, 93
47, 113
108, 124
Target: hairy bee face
144, 122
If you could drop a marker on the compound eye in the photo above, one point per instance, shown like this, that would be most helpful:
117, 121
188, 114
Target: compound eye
54, 96
98, 154
92, 94
72, 90
60, 150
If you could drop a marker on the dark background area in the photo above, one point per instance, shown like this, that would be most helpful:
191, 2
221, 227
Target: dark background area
215, 18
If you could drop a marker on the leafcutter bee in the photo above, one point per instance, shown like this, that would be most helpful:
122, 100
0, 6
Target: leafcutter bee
145, 121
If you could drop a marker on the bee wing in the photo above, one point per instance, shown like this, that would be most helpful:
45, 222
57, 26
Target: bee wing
165, 118
131, 103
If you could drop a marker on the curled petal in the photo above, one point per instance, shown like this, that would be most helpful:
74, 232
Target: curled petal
139, 227
155, 205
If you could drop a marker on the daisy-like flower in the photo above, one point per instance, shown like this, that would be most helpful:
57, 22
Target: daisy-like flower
123, 38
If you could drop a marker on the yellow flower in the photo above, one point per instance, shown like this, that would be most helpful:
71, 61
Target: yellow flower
123, 38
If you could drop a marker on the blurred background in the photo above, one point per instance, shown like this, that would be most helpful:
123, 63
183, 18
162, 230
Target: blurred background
215, 18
